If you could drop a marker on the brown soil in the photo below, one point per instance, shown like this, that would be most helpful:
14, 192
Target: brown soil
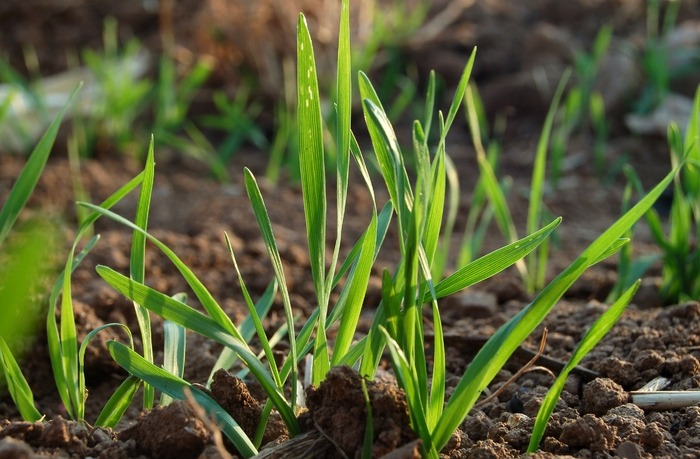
190, 212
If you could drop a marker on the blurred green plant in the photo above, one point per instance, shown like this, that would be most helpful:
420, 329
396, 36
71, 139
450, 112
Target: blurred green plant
583, 109
679, 242
654, 58
20, 271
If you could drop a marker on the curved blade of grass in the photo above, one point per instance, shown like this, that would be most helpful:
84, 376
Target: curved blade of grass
387, 151
29, 176
17, 385
176, 388
256, 201
255, 318
458, 97
429, 105
595, 333
436, 207
247, 328
118, 403
190, 318
437, 386
503, 343
200, 291
344, 113
82, 392
492, 263
68, 345
137, 264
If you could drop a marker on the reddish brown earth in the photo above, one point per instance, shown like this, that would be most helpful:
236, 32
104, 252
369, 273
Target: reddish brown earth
190, 212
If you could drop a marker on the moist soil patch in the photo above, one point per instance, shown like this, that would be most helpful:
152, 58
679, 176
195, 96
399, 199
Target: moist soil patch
190, 213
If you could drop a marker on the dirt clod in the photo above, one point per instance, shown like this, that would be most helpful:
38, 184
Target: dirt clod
233, 396
601, 394
337, 408
169, 432
14, 449
589, 432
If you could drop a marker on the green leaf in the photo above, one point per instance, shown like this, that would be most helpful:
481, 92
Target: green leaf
256, 201
200, 291
28, 178
313, 184
186, 316
493, 263
137, 263
82, 391
534, 214
19, 389
358, 281
118, 403
459, 95
255, 318
177, 388
595, 333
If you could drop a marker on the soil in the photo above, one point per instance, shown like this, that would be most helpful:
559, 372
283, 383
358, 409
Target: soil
524, 48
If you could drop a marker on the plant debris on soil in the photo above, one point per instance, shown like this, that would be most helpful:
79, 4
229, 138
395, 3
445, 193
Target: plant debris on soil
594, 417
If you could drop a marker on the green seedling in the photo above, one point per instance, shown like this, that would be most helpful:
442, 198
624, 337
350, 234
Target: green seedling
534, 270
238, 119
654, 58
582, 104
122, 94
681, 256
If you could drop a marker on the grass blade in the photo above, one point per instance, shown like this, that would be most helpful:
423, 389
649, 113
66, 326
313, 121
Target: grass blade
82, 391
256, 201
313, 184
492, 263
19, 389
200, 291
503, 343
118, 403
137, 264
178, 388
534, 214
358, 281
28, 178
596, 332
255, 318
190, 318
488, 179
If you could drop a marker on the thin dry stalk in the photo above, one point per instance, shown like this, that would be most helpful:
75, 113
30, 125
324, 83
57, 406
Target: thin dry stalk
528, 367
